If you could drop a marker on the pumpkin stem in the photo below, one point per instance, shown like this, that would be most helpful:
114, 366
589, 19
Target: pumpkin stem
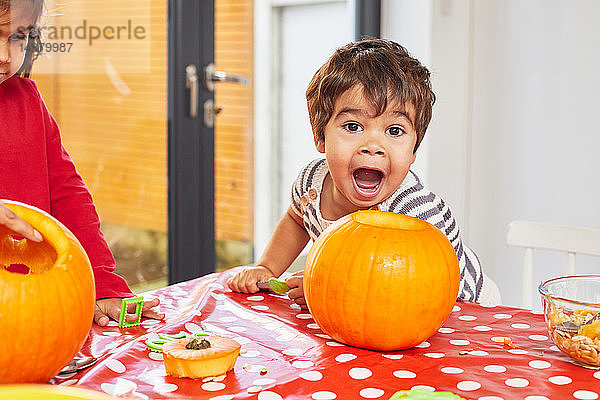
197, 344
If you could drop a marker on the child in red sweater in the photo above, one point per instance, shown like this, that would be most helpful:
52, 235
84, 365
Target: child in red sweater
35, 167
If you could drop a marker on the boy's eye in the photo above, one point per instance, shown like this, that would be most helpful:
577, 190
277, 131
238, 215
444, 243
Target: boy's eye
353, 127
395, 131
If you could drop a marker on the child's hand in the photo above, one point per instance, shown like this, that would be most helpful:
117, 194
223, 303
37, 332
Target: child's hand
107, 309
296, 293
13, 222
245, 280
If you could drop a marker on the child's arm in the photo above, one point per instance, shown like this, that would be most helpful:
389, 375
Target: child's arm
286, 243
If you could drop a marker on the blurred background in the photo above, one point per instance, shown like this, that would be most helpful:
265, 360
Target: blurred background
513, 135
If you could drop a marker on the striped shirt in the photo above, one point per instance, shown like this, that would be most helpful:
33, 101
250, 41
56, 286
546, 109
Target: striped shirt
411, 199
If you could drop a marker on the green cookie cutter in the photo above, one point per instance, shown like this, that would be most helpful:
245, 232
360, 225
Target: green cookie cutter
156, 344
278, 286
139, 302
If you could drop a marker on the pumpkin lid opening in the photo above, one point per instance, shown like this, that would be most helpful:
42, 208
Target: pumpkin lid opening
38, 257
385, 219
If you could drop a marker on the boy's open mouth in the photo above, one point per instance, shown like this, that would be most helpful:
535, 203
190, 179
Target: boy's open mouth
367, 180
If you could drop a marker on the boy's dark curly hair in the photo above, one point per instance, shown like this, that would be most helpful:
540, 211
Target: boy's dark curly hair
385, 71
32, 10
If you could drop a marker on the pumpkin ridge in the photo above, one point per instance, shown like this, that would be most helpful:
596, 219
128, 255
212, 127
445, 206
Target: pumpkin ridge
352, 269
332, 271
366, 306
66, 292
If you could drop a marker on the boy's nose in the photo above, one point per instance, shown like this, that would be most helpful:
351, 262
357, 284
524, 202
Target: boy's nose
372, 150
371, 147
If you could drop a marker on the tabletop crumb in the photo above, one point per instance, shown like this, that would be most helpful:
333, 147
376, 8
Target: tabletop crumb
508, 342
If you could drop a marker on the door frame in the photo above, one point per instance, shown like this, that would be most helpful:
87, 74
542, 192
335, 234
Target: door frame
190, 144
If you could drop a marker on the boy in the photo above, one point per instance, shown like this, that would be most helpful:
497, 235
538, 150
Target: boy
369, 107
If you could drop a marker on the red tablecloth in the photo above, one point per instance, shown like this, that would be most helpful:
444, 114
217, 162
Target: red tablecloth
467, 356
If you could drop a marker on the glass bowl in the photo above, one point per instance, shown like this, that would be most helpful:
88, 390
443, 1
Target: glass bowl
569, 304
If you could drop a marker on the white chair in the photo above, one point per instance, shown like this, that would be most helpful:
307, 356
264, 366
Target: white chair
569, 239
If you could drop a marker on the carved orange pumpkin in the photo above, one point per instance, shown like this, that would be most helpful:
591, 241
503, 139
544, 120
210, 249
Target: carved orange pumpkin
46, 312
381, 280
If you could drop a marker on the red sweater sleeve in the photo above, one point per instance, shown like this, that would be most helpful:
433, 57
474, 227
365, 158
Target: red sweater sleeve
72, 204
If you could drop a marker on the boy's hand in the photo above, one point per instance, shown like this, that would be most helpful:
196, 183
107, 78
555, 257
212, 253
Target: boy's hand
13, 222
245, 280
296, 293
107, 309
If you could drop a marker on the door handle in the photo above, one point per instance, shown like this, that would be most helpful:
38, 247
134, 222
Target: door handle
211, 75
191, 84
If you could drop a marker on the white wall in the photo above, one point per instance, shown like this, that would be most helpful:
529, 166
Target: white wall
514, 134
535, 126
408, 22
302, 52
293, 38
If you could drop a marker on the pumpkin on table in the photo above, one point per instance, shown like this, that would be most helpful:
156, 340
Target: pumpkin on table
381, 280
47, 298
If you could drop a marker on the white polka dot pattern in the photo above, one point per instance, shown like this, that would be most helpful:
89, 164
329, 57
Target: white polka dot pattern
213, 386
405, 374
165, 387
452, 370
360, 373
517, 382
434, 355
585, 395
323, 395
560, 380
302, 364
268, 395
283, 347
311, 376
116, 366
345, 357
539, 364
371, 393
468, 386
482, 328
494, 368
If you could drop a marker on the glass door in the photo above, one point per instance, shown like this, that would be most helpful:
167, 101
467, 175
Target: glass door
104, 77
127, 84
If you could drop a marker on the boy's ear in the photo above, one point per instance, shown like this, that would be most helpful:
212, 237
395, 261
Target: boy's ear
319, 144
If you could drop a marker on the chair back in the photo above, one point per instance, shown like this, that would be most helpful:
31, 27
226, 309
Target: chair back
537, 235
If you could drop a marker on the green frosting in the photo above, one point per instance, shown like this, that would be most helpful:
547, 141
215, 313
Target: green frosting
423, 394
278, 286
